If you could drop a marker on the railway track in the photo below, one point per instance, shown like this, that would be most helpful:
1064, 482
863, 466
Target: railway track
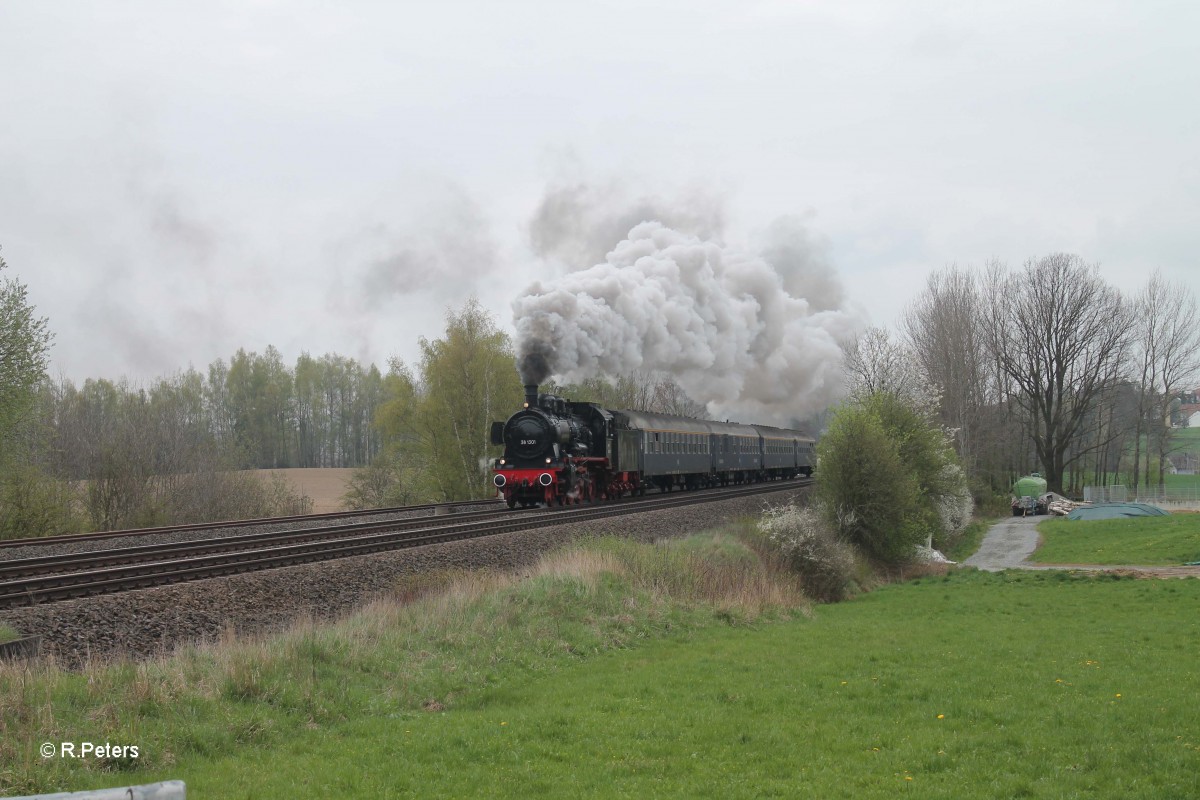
33, 581
434, 508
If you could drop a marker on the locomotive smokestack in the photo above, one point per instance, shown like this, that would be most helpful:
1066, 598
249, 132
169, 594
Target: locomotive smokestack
531, 395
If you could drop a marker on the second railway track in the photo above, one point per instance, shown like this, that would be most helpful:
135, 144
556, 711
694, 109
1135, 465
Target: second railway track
33, 581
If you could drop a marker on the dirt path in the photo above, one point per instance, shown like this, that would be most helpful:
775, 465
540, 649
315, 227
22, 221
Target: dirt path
1010, 542
1007, 545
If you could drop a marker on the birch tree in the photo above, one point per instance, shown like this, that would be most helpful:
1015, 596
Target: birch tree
468, 380
24, 354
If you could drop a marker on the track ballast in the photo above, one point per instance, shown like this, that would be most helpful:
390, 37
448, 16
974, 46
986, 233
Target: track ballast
34, 581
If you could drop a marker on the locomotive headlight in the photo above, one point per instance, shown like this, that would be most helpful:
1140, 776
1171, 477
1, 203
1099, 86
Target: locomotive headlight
502, 462
547, 461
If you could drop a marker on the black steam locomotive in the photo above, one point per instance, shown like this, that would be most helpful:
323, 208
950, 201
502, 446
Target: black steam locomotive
559, 452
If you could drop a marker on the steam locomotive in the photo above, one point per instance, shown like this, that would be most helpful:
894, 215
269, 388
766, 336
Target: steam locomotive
561, 452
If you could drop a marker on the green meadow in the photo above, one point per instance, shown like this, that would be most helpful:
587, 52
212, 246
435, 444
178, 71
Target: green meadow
1146, 541
623, 670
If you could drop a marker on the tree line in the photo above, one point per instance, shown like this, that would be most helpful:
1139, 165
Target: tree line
1046, 367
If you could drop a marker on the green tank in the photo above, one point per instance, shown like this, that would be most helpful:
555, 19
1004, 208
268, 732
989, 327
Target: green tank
1030, 486
1027, 494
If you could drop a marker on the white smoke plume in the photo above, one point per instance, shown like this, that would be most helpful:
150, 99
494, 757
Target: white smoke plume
720, 321
802, 262
576, 223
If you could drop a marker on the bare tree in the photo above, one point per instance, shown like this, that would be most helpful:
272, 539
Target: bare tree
1167, 337
1059, 333
875, 363
943, 327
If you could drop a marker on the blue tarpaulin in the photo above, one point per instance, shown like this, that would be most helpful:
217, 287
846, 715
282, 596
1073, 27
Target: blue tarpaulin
1116, 511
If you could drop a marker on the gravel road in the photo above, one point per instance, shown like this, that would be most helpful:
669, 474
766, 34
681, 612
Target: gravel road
1007, 545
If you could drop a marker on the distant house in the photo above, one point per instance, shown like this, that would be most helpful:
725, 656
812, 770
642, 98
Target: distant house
1194, 420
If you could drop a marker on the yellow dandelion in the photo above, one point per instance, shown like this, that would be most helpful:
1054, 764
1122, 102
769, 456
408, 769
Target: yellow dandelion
941, 716
503, 723
908, 777
1118, 694
845, 682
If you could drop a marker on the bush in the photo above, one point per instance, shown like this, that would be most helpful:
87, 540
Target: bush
867, 493
381, 484
890, 480
954, 506
34, 504
812, 549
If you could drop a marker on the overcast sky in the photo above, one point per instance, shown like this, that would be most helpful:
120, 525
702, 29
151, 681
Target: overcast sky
179, 180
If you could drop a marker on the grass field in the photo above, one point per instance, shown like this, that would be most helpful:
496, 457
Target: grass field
858, 702
7, 634
630, 671
1189, 435
1174, 539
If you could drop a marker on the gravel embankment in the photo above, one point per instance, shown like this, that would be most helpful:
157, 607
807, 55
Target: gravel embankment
153, 621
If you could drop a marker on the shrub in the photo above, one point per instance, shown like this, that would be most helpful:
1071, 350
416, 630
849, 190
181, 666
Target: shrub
812, 549
380, 484
890, 480
867, 492
34, 504
954, 506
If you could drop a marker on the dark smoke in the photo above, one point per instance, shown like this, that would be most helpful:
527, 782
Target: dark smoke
535, 361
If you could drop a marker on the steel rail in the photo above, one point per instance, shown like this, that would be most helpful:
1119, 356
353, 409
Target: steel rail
234, 523
62, 562
60, 586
